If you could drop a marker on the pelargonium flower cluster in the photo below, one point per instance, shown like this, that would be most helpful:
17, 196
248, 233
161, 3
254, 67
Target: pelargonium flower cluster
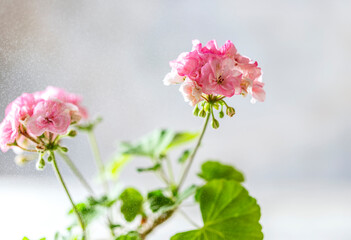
212, 71
31, 119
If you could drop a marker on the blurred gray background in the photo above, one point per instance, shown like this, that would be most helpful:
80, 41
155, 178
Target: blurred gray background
294, 148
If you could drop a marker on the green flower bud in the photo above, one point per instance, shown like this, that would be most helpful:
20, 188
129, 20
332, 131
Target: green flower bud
196, 111
230, 111
72, 133
41, 163
221, 114
202, 113
63, 149
215, 123
50, 158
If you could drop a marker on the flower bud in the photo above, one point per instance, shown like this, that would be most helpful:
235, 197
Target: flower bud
215, 123
221, 114
63, 149
72, 133
20, 160
202, 113
41, 163
230, 111
196, 110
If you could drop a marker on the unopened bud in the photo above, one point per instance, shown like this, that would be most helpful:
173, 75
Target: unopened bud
50, 158
202, 113
221, 114
64, 149
215, 123
20, 160
196, 110
230, 111
41, 163
72, 133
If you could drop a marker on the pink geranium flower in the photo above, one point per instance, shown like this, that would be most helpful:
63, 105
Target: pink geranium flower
188, 64
9, 128
50, 115
218, 71
58, 93
219, 77
22, 106
173, 78
191, 92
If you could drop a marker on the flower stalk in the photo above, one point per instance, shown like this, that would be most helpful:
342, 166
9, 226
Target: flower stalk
76, 172
193, 153
59, 177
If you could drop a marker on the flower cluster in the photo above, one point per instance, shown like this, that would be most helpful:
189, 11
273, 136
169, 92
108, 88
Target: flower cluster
209, 70
34, 120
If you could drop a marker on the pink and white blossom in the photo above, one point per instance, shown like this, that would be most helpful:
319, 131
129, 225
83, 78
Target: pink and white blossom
9, 131
58, 93
218, 71
49, 115
22, 106
219, 77
173, 78
191, 92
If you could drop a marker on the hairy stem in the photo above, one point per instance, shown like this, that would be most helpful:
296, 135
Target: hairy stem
158, 221
170, 170
59, 176
76, 172
192, 156
97, 157
101, 167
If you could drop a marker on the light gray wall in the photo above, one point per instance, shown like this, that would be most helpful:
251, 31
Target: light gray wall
116, 53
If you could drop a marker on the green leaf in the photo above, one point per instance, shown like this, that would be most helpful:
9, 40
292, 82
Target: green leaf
92, 208
158, 200
117, 165
151, 145
130, 236
153, 168
157, 143
228, 212
215, 170
154, 146
181, 138
87, 212
185, 155
25, 238
132, 203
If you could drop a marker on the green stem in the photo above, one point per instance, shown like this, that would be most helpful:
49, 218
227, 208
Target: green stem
59, 176
101, 167
76, 172
170, 170
192, 156
98, 160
